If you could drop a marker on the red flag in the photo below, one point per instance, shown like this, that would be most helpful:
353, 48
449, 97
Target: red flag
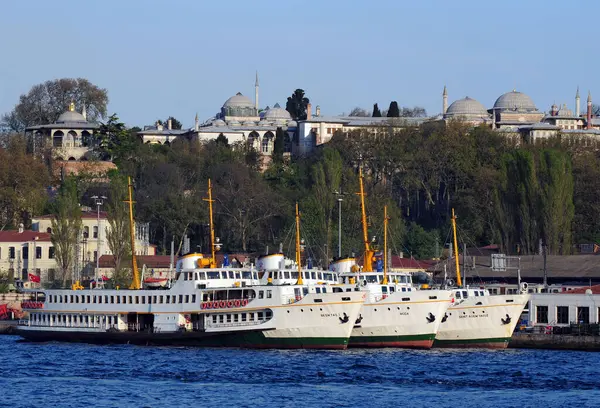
3, 309
34, 278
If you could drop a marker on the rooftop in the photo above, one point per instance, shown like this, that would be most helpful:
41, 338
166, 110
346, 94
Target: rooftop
25, 236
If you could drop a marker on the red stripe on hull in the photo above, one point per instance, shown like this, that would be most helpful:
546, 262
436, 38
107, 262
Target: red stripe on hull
417, 344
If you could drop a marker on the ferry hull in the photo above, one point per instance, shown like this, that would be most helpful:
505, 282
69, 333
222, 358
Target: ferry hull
481, 322
393, 322
256, 339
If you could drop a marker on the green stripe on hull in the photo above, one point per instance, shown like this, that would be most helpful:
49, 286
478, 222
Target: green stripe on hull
390, 339
449, 343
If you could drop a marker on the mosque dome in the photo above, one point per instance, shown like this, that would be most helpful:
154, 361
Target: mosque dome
238, 101
515, 101
71, 116
564, 111
292, 124
277, 113
466, 107
249, 123
219, 122
264, 122
233, 123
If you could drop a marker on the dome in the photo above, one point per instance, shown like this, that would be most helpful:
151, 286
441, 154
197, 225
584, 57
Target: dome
264, 123
292, 124
466, 107
238, 101
515, 101
71, 116
218, 122
564, 111
277, 112
233, 123
249, 123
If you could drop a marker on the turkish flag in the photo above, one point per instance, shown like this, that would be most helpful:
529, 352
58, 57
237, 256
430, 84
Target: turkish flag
34, 278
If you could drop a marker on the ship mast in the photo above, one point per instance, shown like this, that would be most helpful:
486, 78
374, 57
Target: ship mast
135, 284
458, 279
298, 258
385, 254
368, 256
213, 258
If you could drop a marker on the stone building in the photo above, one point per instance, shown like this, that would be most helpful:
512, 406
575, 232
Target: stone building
71, 136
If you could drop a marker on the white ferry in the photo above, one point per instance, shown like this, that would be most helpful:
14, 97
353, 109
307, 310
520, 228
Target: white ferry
476, 318
205, 306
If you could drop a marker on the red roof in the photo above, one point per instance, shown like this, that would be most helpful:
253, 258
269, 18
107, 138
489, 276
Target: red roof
86, 215
151, 261
409, 263
25, 236
595, 290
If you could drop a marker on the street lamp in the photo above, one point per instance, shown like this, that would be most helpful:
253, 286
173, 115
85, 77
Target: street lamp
339, 195
99, 201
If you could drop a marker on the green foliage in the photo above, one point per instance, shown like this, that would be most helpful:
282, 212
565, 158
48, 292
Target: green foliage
118, 235
279, 145
115, 141
376, 111
420, 243
66, 227
175, 124
222, 140
297, 105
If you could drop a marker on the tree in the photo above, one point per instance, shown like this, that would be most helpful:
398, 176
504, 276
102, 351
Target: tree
393, 110
175, 124
222, 140
66, 228
117, 233
45, 102
415, 112
115, 141
421, 243
297, 105
376, 111
23, 182
359, 112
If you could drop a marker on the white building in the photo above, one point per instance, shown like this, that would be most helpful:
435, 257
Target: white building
24, 252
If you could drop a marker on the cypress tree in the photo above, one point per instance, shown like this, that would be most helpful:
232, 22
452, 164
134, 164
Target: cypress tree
393, 111
376, 111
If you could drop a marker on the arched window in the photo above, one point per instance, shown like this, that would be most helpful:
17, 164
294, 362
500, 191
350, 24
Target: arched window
57, 139
86, 232
95, 232
49, 230
267, 142
86, 138
73, 139
252, 138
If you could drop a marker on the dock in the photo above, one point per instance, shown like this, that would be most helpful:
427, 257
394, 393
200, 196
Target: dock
555, 342
8, 326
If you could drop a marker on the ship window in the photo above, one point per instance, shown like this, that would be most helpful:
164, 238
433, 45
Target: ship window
542, 314
167, 298
255, 274
174, 299
161, 299
99, 299
238, 275
143, 300
193, 298
384, 289
105, 298
458, 294
403, 289
155, 299
213, 275
261, 294
286, 275
137, 300
231, 274
318, 300
432, 297
94, 299
583, 314
250, 317
130, 300
221, 318
268, 314
348, 289
294, 275
243, 317
109, 319
320, 275
214, 318
202, 275
269, 294
246, 275
187, 298
318, 290
465, 294
476, 293
324, 290
236, 318
392, 289
259, 316
562, 314
180, 298
228, 318
223, 275
112, 299
306, 275
406, 299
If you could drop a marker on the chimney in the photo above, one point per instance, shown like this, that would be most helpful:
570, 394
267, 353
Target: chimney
21, 227
170, 124
159, 127
308, 111
318, 111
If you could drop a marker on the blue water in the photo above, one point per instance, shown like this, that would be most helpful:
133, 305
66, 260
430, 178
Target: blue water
65, 375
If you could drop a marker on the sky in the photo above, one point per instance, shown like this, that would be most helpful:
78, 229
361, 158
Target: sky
182, 57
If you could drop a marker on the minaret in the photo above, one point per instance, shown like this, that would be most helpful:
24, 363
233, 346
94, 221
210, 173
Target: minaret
444, 101
256, 93
577, 103
589, 111
196, 125
84, 112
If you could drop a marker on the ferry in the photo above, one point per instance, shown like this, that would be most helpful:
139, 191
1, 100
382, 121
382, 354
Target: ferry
205, 306
476, 318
